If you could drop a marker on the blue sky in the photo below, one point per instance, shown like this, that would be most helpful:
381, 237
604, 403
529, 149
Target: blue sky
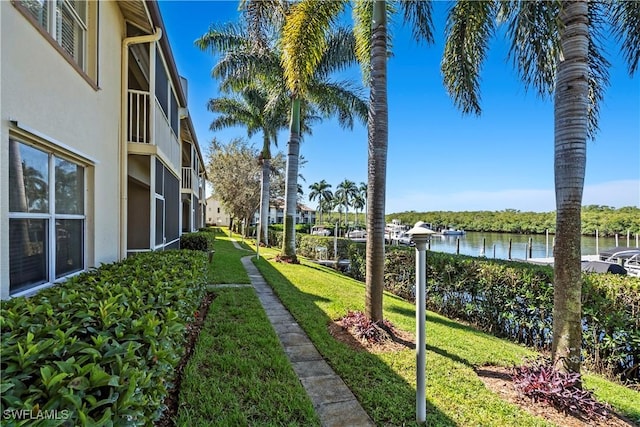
439, 159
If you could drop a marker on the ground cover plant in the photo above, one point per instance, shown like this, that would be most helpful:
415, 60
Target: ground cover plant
541, 381
100, 348
384, 383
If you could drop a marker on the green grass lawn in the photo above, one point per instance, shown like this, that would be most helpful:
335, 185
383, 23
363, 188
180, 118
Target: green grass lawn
238, 373
227, 267
237, 329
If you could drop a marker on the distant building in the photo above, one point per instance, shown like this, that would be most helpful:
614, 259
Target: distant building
98, 155
304, 214
216, 215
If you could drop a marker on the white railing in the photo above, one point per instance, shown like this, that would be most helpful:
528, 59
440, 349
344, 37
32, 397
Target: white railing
138, 117
186, 178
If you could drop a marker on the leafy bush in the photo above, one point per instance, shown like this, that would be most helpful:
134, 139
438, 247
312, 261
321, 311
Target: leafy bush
199, 241
541, 382
103, 345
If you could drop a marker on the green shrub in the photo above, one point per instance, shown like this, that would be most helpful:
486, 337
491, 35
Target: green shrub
101, 348
199, 241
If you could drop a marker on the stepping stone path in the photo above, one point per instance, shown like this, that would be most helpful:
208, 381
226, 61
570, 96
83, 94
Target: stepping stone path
334, 403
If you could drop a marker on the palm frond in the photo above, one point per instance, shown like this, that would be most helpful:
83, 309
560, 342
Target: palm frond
625, 19
263, 17
362, 17
304, 40
533, 27
343, 99
338, 55
221, 39
470, 25
417, 14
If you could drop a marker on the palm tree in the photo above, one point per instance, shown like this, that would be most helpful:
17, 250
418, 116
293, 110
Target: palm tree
311, 54
311, 17
251, 109
321, 191
564, 57
371, 32
250, 67
345, 192
362, 191
358, 204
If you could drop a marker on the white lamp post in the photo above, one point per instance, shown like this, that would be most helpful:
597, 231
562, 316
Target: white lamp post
420, 235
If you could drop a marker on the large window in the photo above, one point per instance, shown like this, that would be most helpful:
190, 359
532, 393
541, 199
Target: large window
65, 21
46, 216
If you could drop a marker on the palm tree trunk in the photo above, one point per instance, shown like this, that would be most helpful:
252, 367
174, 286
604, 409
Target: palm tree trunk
571, 126
264, 202
291, 189
264, 195
377, 165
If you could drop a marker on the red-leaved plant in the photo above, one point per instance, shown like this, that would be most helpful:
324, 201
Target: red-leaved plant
541, 381
365, 328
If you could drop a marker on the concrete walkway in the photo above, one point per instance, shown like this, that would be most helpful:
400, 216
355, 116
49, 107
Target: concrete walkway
334, 403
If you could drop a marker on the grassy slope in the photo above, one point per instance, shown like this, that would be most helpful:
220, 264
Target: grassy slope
386, 386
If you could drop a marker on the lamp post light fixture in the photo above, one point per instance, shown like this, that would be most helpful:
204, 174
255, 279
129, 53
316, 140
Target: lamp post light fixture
420, 234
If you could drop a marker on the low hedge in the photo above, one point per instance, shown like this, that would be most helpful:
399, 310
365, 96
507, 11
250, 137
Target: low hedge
202, 240
100, 348
515, 300
307, 245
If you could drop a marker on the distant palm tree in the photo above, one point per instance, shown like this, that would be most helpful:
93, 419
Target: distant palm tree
358, 204
251, 109
362, 190
345, 192
556, 47
321, 191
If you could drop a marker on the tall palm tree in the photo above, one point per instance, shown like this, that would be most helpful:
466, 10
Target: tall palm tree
345, 192
250, 108
321, 191
556, 47
250, 66
370, 19
312, 52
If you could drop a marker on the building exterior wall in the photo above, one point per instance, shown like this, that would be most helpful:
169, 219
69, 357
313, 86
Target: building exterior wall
215, 213
47, 98
47, 103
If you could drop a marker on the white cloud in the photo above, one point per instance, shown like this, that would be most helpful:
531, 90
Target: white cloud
613, 193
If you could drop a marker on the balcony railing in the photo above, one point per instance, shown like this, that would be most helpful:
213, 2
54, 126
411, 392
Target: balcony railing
188, 178
138, 120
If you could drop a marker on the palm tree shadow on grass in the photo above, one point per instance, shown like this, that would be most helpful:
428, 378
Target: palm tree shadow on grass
365, 373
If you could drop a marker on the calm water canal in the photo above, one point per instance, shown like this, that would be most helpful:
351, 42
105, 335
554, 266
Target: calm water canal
497, 244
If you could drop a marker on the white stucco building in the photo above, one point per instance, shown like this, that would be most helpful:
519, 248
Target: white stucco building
98, 155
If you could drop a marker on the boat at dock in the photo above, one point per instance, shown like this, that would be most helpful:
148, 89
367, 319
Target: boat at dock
452, 232
627, 257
